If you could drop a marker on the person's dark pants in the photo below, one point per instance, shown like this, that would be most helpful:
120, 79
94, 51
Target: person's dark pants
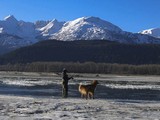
64, 90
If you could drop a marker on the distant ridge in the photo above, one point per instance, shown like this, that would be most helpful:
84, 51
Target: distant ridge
99, 51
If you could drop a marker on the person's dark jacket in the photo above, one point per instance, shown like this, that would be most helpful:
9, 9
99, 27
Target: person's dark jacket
65, 78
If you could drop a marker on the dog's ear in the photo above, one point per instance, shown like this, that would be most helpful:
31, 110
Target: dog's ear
96, 82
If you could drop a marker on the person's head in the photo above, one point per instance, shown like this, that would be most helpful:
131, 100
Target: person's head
64, 70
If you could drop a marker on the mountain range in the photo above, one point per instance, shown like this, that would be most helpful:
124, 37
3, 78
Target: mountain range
15, 33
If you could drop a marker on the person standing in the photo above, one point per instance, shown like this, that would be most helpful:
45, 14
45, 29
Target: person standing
65, 80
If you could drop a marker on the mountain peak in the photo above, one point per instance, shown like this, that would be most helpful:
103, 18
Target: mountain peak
10, 18
54, 20
52, 27
87, 19
92, 18
88, 26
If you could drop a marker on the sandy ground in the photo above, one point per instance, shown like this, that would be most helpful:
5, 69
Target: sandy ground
37, 96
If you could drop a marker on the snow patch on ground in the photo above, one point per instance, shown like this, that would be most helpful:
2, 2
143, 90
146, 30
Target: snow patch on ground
26, 108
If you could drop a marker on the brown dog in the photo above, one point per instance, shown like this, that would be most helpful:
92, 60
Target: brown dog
88, 90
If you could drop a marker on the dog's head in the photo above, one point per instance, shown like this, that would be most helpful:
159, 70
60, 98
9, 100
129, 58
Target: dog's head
95, 82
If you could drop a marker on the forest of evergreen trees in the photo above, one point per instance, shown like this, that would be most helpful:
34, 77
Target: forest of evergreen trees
96, 56
98, 51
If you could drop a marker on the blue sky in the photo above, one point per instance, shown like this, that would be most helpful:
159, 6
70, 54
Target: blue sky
129, 15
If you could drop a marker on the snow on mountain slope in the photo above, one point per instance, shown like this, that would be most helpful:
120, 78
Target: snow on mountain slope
18, 28
86, 28
1, 30
40, 23
23, 30
14, 33
155, 32
9, 25
90, 28
51, 28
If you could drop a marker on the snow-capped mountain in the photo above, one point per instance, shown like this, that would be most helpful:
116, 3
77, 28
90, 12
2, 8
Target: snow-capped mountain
86, 28
155, 32
90, 28
14, 33
23, 33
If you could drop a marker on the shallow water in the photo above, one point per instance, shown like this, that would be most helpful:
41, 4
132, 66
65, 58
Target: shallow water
109, 88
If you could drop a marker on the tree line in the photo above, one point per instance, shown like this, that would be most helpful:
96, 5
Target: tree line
86, 67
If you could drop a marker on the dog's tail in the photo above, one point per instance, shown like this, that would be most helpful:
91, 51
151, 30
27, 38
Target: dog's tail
80, 83
79, 88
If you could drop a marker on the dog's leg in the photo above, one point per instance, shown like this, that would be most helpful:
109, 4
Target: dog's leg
90, 96
86, 95
82, 96
93, 95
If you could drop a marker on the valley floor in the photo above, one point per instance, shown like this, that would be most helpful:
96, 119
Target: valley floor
37, 96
